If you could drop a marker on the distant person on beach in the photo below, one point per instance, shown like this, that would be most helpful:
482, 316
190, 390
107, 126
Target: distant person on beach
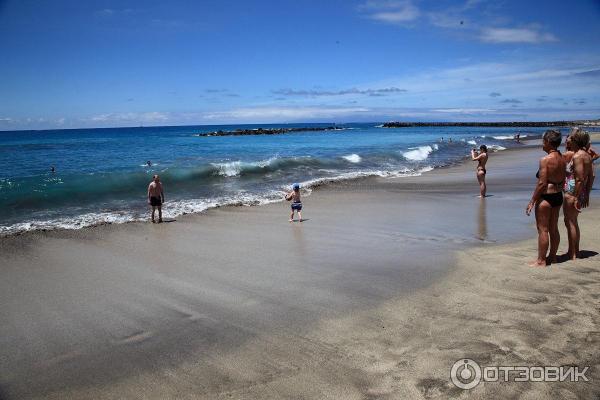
577, 187
294, 197
518, 137
156, 197
547, 199
481, 157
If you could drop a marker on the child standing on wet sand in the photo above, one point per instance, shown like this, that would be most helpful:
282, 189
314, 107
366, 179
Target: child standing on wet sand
294, 197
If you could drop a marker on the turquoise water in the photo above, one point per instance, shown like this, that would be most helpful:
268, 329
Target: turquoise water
101, 174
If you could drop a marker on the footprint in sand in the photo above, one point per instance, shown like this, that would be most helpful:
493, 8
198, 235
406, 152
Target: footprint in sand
137, 337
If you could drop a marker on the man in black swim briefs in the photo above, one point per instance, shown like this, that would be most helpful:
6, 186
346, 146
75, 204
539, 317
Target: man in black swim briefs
156, 197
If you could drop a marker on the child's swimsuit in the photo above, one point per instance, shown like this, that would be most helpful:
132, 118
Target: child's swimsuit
297, 205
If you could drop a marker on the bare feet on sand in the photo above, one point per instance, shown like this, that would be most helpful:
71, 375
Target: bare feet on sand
537, 263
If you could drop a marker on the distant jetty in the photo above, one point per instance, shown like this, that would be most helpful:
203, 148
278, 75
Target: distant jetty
491, 124
268, 131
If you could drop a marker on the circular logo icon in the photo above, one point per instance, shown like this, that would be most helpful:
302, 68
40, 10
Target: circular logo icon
465, 374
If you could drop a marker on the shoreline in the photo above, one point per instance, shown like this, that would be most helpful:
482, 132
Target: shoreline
58, 225
375, 295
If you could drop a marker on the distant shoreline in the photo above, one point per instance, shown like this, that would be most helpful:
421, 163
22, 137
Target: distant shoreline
267, 131
539, 124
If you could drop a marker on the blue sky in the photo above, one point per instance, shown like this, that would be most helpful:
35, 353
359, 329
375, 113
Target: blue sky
68, 64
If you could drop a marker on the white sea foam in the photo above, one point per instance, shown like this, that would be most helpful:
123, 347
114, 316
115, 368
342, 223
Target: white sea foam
310, 184
235, 168
496, 147
507, 137
232, 168
472, 142
76, 222
173, 209
353, 158
418, 153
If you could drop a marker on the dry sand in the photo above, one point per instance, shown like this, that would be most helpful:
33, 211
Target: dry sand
386, 285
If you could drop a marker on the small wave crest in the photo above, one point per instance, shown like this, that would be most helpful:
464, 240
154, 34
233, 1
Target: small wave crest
236, 168
419, 153
404, 172
353, 158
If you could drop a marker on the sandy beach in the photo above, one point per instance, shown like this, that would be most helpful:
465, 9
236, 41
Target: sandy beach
375, 296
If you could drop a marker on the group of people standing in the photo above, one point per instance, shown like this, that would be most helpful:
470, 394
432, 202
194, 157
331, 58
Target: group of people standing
563, 180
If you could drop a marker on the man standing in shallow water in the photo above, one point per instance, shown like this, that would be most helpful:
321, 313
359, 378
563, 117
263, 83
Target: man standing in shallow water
156, 197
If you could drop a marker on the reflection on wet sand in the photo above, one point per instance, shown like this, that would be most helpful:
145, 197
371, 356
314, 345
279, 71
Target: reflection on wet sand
482, 232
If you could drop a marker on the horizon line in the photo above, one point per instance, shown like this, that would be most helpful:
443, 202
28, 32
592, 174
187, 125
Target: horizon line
308, 123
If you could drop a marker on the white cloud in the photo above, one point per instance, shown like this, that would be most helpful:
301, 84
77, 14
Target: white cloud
468, 17
353, 91
464, 110
281, 114
515, 35
146, 117
392, 11
396, 16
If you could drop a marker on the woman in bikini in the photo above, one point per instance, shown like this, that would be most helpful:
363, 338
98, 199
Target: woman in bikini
578, 184
481, 159
547, 199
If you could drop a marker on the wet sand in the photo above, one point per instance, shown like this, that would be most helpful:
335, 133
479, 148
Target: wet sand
376, 295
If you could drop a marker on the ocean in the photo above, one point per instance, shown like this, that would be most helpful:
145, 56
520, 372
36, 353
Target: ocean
101, 175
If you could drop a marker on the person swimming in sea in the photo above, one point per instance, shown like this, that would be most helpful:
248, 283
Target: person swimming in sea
52, 169
294, 197
547, 199
481, 157
156, 197
149, 163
